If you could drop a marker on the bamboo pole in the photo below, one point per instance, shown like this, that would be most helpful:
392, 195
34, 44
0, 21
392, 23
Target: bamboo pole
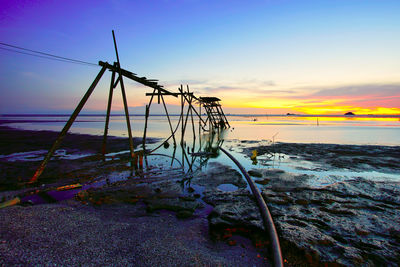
223, 115
147, 112
67, 126
199, 115
169, 120
191, 116
121, 82
110, 95
200, 126
145, 128
182, 105
186, 119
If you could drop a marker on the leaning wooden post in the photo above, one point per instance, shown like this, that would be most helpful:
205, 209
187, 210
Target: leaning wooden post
146, 116
200, 126
188, 100
121, 81
182, 104
147, 112
67, 126
191, 116
195, 111
169, 120
173, 156
110, 95
181, 117
223, 115
128, 123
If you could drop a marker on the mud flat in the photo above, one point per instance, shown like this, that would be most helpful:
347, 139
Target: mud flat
333, 156
166, 217
351, 222
120, 217
21, 152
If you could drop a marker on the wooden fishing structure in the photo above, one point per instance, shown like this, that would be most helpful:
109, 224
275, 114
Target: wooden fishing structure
215, 120
215, 116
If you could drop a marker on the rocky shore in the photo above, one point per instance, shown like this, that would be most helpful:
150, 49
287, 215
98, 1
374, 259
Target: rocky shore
119, 217
348, 223
166, 217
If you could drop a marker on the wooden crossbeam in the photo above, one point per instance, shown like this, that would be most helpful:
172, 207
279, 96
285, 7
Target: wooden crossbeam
157, 94
143, 80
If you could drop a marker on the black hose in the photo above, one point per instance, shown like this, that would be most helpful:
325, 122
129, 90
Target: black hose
266, 215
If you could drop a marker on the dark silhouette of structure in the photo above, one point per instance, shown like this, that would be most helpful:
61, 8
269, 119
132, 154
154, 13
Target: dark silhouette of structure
215, 115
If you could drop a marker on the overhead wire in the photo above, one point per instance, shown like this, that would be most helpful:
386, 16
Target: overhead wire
44, 55
30, 54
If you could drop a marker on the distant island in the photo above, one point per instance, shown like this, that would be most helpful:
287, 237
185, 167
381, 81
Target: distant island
349, 114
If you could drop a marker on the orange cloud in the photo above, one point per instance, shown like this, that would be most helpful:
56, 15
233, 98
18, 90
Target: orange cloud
360, 99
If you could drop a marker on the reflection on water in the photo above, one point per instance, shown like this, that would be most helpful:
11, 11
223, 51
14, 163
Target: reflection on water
294, 129
200, 149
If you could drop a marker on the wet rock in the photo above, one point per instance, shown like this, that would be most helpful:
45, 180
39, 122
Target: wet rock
170, 204
233, 209
333, 222
302, 201
184, 214
263, 182
187, 198
353, 157
349, 223
254, 173
218, 174
281, 181
183, 208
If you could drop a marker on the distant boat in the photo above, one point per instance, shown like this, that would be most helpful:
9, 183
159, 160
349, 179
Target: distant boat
290, 114
349, 114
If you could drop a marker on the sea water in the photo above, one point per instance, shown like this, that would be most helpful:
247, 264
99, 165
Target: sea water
244, 130
352, 130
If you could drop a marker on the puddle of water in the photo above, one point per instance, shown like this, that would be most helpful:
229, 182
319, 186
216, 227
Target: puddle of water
320, 175
38, 155
167, 159
227, 187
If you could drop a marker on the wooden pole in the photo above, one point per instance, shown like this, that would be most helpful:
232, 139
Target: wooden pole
145, 123
110, 95
200, 126
173, 156
146, 116
223, 115
121, 81
191, 116
186, 119
169, 120
199, 115
67, 126
182, 104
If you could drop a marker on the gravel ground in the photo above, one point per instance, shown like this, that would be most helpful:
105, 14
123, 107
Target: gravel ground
72, 234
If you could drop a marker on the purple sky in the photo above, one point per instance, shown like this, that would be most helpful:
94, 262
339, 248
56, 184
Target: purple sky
258, 56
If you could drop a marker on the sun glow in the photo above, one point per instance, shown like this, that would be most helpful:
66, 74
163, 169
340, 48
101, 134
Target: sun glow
308, 106
331, 110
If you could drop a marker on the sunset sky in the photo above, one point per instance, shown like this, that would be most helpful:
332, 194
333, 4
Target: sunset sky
260, 56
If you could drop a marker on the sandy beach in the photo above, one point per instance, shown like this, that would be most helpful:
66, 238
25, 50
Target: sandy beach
165, 217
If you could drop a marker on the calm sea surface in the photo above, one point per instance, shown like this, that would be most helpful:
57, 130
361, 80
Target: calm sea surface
355, 130
295, 129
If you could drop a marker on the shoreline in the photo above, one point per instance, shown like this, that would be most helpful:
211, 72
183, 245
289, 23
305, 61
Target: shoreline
225, 226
